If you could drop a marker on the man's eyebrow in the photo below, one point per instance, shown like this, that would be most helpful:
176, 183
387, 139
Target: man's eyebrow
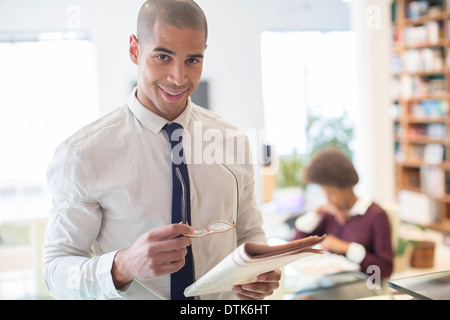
162, 49
198, 56
165, 50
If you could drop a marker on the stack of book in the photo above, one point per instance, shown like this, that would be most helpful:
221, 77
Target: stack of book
432, 181
422, 35
430, 109
425, 60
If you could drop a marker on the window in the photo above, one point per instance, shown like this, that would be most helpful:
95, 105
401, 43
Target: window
48, 90
305, 74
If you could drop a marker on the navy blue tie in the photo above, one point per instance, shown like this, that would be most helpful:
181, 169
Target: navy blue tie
185, 276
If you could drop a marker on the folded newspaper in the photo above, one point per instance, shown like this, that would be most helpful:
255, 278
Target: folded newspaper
248, 261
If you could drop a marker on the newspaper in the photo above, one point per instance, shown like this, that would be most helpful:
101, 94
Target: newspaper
249, 260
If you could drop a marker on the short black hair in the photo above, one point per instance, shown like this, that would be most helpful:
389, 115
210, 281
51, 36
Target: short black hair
331, 167
178, 13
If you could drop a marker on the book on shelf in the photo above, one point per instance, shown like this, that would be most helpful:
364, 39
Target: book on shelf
429, 130
429, 109
427, 34
417, 152
416, 207
418, 87
434, 108
425, 60
416, 9
432, 181
436, 130
433, 153
399, 153
419, 8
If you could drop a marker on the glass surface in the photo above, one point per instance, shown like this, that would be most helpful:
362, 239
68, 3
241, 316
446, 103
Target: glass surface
432, 286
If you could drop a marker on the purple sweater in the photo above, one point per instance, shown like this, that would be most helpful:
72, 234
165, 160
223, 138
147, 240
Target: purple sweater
372, 230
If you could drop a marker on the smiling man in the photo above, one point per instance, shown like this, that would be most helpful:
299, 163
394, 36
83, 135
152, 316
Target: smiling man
111, 232
169, 55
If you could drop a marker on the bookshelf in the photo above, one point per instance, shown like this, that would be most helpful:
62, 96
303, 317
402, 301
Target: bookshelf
420, 88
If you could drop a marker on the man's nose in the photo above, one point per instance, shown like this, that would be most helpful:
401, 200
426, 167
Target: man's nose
178, 74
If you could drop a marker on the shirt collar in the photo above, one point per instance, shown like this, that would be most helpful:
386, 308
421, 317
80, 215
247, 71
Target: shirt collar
151, 120
360, 207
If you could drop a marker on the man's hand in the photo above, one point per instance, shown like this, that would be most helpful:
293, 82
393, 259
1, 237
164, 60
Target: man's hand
155, 253
267, 283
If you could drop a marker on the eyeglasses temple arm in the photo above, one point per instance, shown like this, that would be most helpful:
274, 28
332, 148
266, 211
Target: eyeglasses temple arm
183, 196
236, 198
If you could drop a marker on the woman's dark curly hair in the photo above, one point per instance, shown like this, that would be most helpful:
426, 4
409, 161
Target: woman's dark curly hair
331, 167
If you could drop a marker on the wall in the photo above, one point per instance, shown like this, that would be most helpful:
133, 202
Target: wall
233, 59
374, 146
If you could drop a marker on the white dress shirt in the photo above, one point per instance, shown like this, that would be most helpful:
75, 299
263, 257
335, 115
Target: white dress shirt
111, 182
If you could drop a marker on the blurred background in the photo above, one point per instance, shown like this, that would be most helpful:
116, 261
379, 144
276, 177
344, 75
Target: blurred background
298, 75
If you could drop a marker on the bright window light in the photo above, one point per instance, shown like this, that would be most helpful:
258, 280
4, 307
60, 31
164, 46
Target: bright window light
305, 74
48, 90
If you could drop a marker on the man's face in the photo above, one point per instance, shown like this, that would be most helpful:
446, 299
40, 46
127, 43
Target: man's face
170, 65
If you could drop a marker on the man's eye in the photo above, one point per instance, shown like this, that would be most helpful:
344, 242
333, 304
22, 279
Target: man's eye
192, 60
162, 57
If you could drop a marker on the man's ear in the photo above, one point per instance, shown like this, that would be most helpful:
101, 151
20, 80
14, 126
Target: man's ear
134, 49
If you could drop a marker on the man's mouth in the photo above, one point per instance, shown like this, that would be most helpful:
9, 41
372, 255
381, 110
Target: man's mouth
173, 95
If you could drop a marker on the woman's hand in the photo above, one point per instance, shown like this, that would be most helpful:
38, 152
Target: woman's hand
334, 244
340, 215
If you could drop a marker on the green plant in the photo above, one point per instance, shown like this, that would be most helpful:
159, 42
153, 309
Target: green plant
402, 244
323, 132
291, 170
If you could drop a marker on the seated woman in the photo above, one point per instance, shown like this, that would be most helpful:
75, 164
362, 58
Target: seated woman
357, 228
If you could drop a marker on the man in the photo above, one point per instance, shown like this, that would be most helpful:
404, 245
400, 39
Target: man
110, 233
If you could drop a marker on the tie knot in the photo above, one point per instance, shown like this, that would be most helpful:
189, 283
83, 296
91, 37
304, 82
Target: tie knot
171, 128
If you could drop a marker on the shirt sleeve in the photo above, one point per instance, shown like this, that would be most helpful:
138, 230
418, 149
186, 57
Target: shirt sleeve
356, 252
308, 222
71, 269
249, 221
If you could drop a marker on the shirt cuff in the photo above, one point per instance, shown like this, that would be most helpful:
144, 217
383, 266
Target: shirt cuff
105, 277
308, 222
356, 252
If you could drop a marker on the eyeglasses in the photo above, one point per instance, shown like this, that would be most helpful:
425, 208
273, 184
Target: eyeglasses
216, 226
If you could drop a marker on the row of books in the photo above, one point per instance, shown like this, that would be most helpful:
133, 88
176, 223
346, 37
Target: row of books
408, 87
425, 60
431, 153
423, 35
430, 130
418, 8
430, 109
